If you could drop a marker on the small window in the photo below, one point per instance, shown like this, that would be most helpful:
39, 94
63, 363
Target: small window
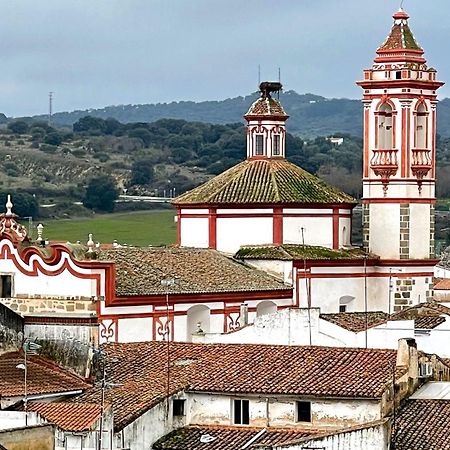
398, 75
276, 145
241, 414
303, 411
259, 149
342, 308
178, 407
6, 286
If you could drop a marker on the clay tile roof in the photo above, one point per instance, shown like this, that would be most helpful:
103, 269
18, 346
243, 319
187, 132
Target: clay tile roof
356, 321
69, 416
44, 376
428, 322
443, 285
267, 106
264, 181
140, 370
425, 315
139, 271
401, 36
229, 438
290, 252
422, 425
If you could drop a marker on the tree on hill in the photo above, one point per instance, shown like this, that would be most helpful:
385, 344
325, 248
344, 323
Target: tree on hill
101, 194
18, 127
142, 172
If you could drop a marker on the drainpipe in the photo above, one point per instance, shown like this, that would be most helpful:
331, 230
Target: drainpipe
267, 412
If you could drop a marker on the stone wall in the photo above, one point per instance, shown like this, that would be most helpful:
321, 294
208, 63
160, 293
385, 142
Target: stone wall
40, 437
404, 230
402, 294
39, 304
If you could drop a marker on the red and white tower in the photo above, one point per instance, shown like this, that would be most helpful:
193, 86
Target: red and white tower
400, 97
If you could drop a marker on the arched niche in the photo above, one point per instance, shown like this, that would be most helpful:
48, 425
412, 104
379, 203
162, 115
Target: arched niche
198, 317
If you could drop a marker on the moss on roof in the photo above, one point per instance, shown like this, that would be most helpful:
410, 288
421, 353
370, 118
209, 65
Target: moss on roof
291, 252
264, 181
400, 37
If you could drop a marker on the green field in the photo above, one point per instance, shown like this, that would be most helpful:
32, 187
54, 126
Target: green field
135, 228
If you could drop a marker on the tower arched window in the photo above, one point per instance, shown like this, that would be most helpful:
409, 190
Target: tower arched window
276, 145
421, 127
259, 144
385, 131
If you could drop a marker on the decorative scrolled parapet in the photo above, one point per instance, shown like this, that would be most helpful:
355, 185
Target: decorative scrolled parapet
9, 227
421, 164
384, 164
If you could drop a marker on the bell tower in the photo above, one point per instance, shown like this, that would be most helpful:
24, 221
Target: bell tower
399, 98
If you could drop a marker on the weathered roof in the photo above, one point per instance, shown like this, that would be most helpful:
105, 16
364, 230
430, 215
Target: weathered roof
442, 285
289, 252
422, 425
266, 106
139, 271
401, 36
425, 315
44, 376
140, 369
264, 181
356, 321
69, 416
229, 438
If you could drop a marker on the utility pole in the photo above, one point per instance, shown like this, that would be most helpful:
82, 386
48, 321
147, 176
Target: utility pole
50, 107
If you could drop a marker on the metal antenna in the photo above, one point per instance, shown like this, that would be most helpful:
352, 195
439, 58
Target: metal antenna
259, 75
401, 4
279, 80
50, 107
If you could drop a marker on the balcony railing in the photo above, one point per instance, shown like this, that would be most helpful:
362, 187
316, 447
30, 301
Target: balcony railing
421, 164
384, 164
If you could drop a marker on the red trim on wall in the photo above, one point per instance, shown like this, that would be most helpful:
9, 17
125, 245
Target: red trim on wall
427, 201
433, 145
278, 226
371, 275
403, 149
266, 205
178, 227
212, 228
335, 228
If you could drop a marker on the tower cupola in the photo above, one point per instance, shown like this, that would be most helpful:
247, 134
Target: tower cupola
266, 124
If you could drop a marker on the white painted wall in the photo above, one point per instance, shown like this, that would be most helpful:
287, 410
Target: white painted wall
234, 232
194, 232
215, 409
317, 230
419, 231
135, 330
384, 234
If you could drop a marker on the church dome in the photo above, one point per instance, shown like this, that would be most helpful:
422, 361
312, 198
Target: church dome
264, 182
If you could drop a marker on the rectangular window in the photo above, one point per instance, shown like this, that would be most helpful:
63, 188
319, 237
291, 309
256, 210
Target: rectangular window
241, 414
178, 407
398, 75
303, 411
342, 308
6, 286
259, 147
276, 145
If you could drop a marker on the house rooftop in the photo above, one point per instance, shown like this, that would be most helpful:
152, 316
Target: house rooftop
229, 438
140, 369
356, 321
139, 271
44, 376
422, 424
69, 416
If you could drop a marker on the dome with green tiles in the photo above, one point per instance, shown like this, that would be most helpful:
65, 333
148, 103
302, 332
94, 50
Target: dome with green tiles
264, 181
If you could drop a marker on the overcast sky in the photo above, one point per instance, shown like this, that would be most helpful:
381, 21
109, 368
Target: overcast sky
94, 53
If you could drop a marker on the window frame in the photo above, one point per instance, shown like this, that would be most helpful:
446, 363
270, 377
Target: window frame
178, 407
241, 414
4, 276
276, 138
298, 418
259, 144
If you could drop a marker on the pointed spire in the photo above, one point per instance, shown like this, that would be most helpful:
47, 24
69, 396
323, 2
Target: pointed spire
400, 45
9, 205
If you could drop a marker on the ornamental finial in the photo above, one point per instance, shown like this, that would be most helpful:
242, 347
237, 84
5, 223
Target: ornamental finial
9, 206
90, 244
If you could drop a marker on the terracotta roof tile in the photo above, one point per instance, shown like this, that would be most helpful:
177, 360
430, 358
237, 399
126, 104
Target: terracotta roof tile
400, 37
229, 438
69, 416
356, 321
443, 285
290, 252
422, 425
44, 376
428, 322
264, 181
247, 369
429, 310
266, 106
139, 271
